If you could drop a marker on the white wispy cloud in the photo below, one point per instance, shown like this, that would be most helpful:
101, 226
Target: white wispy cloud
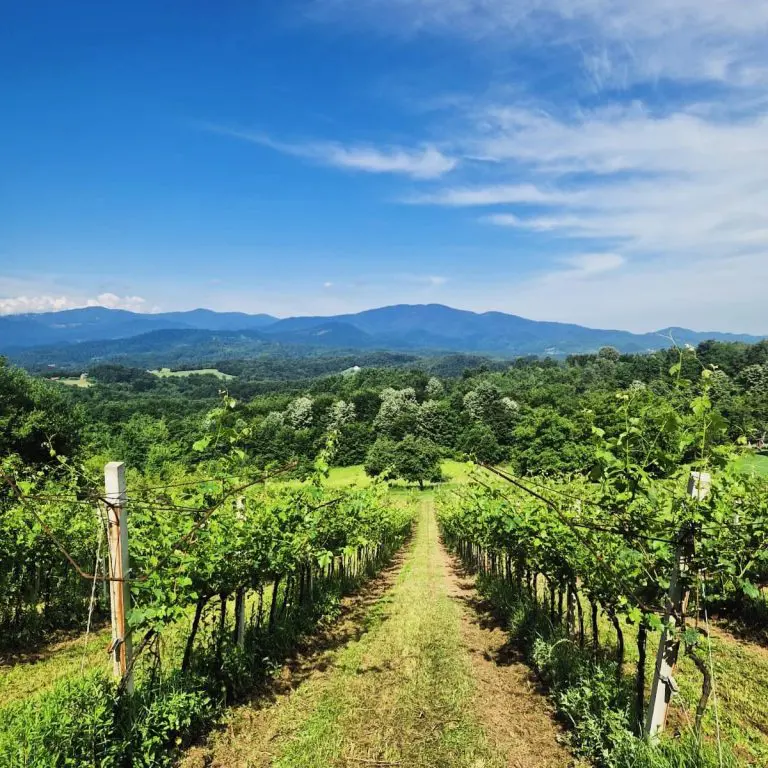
426, 163
686, 177
112, 301
19, 304
496, 194
423, 162
645, 295
586, 264
619, 41
49, 303
678, 183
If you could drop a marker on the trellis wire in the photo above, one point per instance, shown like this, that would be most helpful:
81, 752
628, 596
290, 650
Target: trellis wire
92, 603
564, 520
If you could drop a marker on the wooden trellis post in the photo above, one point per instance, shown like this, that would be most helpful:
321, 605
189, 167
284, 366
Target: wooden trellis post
664, 684
240, 617
119, 568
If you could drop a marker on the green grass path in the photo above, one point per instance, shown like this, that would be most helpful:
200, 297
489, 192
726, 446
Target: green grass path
402, 694
399, 693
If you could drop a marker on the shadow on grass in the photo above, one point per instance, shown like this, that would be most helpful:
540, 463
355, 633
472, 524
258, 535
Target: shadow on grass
489, 618
361, 611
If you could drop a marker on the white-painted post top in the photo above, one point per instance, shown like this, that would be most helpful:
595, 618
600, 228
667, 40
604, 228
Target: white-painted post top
699, 484
114, 482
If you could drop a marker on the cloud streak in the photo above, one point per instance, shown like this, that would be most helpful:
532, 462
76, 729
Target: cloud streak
679, 184
643, 296
497, 194
424, 162
51, 303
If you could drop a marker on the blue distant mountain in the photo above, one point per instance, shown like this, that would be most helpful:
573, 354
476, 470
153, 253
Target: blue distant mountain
437, 327
404, 327
99, 324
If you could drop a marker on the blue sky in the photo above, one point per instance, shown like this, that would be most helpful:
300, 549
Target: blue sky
592, 161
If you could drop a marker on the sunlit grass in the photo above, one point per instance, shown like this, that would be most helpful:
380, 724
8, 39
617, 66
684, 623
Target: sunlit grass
167, 372
354, 476
754, 463
402, 694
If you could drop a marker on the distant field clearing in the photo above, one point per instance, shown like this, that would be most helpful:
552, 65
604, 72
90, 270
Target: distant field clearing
165, 372
341, 477
74, 381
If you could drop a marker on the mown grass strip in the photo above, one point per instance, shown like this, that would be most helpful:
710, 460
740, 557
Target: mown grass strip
402, 694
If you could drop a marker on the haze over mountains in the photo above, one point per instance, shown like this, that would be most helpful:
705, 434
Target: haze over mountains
101, 333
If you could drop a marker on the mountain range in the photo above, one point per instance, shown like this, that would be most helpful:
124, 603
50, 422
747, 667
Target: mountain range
100, 333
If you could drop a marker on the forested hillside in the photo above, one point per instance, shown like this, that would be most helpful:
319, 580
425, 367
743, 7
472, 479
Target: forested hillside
96, 334
538, 414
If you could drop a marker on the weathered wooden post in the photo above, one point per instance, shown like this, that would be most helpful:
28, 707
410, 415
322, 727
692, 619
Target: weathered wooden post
119, 568
664, 684
240, 617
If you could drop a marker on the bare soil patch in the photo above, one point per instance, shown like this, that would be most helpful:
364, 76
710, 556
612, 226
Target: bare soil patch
516, 715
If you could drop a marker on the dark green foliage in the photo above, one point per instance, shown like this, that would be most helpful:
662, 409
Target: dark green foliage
35, 416
417, 460
540, 412
381, 457
413, 459
479, 442
352, 443
545, 441
609, 353
40, 591
110, 373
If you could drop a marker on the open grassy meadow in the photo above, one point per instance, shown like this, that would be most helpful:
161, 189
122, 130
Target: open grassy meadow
354, 476
75, 381
164, 373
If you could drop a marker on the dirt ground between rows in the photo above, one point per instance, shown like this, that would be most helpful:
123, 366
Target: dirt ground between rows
513, 710
245, 737
514, 714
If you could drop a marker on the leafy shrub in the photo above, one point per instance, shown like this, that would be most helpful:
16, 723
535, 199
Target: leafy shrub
81, 722
167, 715
74, 724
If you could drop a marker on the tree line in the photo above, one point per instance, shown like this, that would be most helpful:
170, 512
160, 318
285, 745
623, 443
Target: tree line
537, 414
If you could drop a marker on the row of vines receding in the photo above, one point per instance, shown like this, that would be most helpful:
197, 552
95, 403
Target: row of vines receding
227, 568
574, 560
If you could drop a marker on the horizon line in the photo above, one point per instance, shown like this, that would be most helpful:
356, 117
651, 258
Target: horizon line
278, 318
